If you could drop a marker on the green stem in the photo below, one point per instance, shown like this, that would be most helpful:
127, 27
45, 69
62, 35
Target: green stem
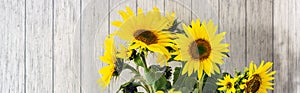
138, 76
144, 61
126, 66
137, 69
200, 83
148, 87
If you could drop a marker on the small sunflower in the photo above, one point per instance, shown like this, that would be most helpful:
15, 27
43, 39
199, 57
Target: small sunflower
201, 48
259, 79
145, 31
109, 58
124, 53
227, 84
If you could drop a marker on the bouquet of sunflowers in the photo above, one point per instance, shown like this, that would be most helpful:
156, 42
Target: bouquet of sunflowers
197, 47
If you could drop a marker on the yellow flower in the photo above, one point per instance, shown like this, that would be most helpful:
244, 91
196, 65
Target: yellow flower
124, 52
109, 58
145, 31
201, 48
170, 91
259, 79
227, 84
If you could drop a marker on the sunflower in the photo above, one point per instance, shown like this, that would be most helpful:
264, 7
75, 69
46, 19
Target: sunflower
202, 49
259, 79
109, 58
145, 31
124, 53
227, 84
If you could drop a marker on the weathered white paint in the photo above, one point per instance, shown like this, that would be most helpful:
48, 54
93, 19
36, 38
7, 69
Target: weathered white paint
232, 20
286, 46
12, 47
66, 46
39, 46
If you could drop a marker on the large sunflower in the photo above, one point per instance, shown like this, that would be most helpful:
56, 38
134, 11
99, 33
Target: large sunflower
145, 31
109, 58
259, 79
227, 84
201, 48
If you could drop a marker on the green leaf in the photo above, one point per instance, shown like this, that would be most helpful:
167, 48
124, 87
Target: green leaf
168, 85
210, 85
168, 72
160, 84
119, 67
176, 74
127, 66
186, 83
154, 74
174, 26
138, 61
196, 91
157, 77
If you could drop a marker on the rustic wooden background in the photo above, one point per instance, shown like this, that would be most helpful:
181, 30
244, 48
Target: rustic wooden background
51, 46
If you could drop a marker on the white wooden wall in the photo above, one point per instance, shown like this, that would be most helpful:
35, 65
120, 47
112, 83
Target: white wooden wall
52, 46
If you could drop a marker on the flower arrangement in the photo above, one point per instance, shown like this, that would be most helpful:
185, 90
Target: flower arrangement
197, 47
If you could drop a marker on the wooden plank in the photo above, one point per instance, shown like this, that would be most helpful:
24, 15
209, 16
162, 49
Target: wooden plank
205, 9
66, 46
12, 47
182, 10
94, 26
294, 50
286, 46
232, 20
281, 46
115, 6
148, 5
39, 53
259, 34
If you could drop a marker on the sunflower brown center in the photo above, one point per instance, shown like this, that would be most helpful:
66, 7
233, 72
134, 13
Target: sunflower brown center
229, 85
200, 49
145, 36
254, 84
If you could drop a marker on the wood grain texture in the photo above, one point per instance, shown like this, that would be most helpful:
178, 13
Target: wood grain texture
182, 10
286, 46
232, 17
259, 34
281, 46
12, 47
294, 50
39, 53
66, 46
94, 29
205, 10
